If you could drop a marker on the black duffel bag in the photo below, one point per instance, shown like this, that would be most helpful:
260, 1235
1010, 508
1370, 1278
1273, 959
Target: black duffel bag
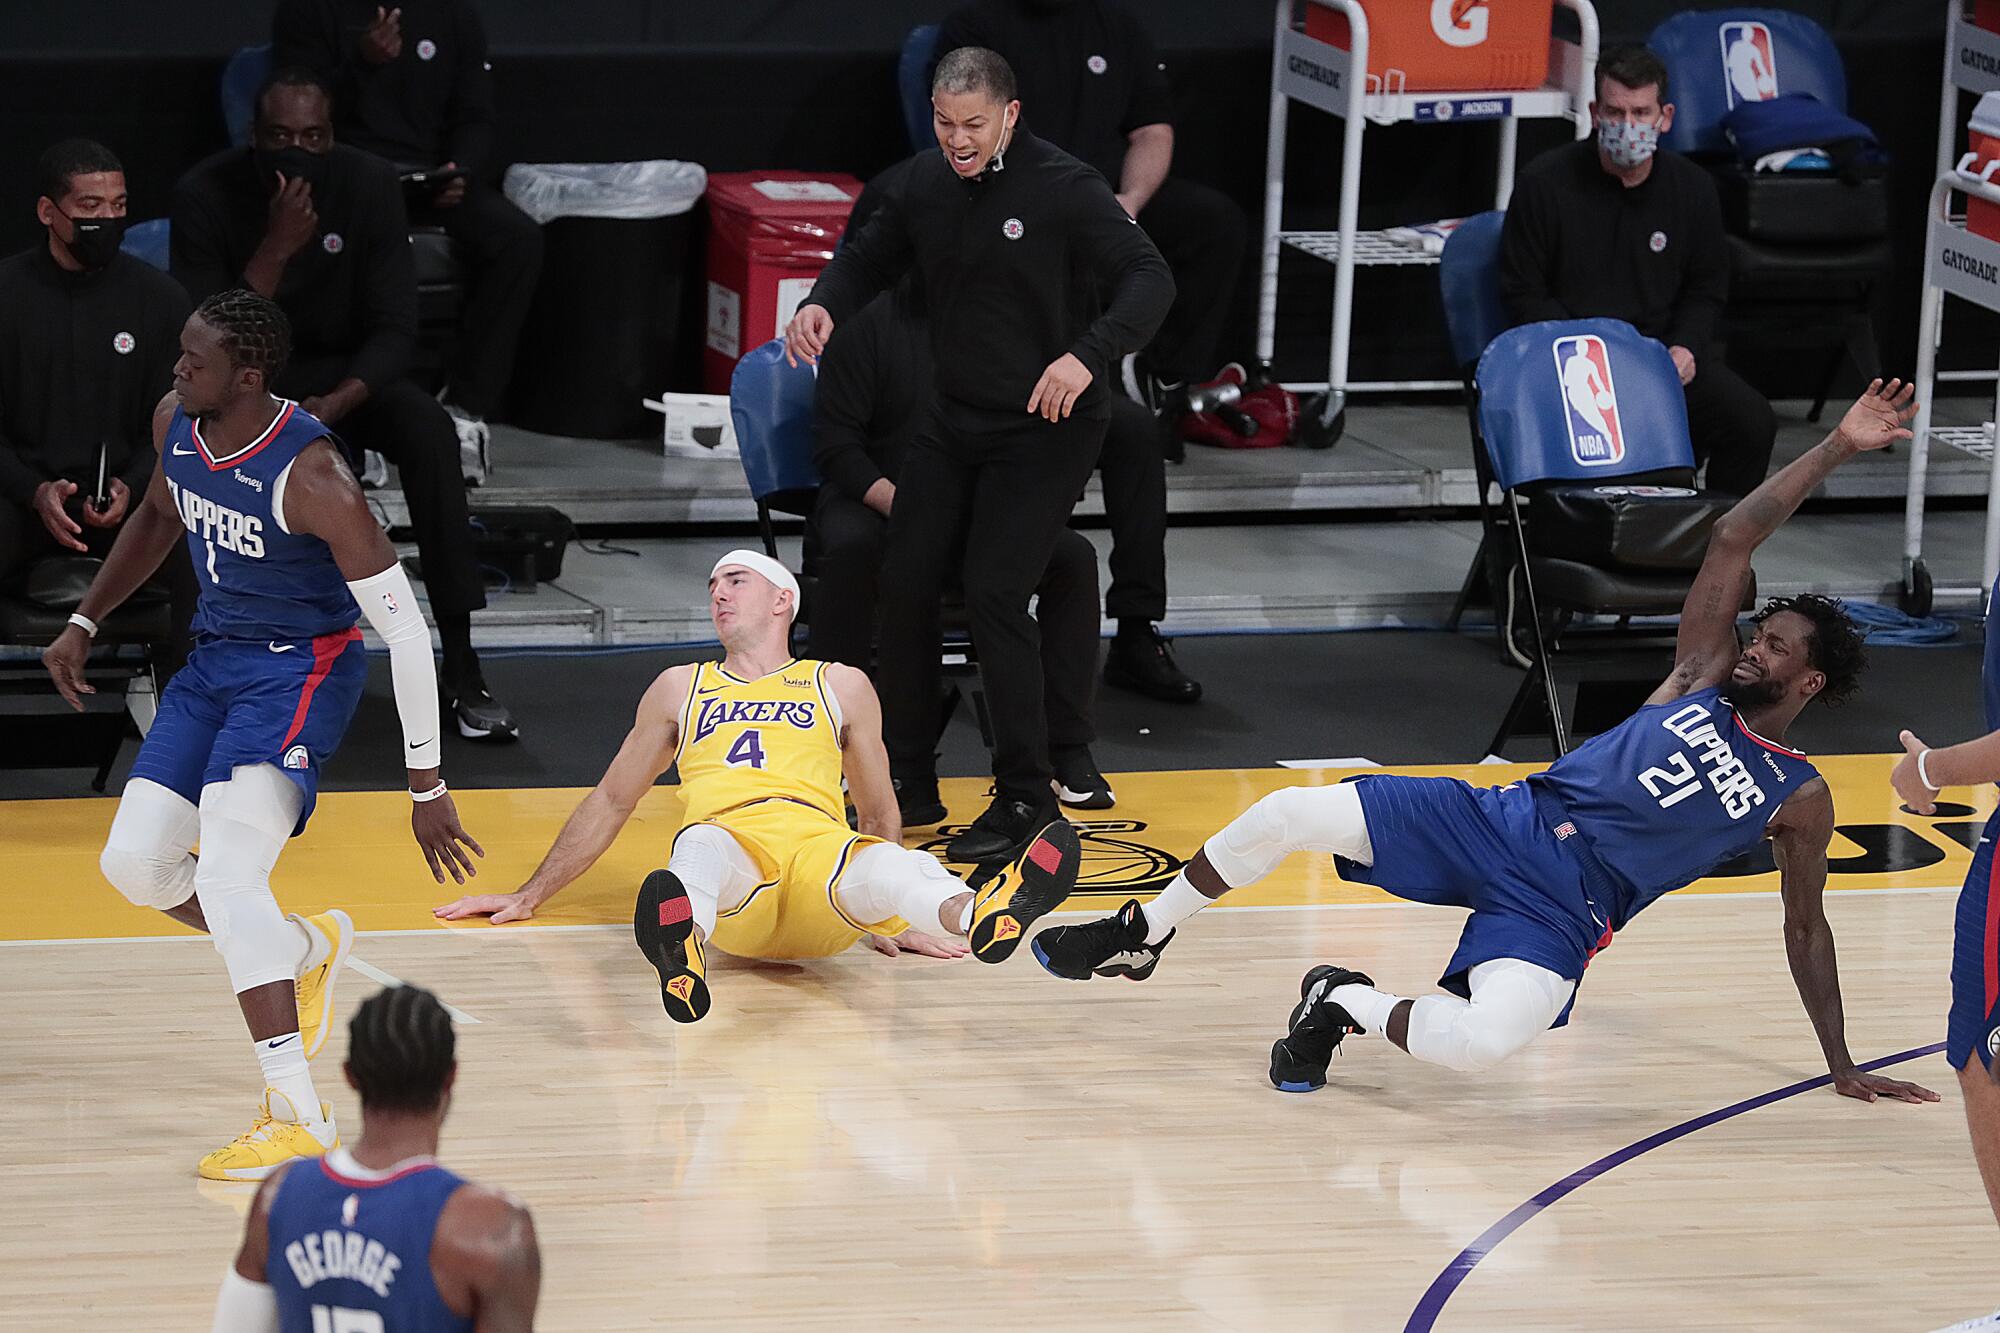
1658, 529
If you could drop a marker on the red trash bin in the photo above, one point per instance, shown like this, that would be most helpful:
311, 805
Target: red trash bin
770, 234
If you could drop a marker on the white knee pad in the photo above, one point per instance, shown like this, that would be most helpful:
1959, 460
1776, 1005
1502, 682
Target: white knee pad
714, 869
146, 855
887, 881
245, 823
1513, 1002
1317, 819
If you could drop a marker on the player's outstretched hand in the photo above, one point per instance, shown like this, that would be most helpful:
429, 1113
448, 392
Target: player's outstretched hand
502, 907
915, 941
1873, 1087
64, 659
806, 335
1877, 418
1904, 778
440, 834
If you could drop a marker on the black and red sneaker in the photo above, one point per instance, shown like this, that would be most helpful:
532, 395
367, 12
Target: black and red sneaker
663, 924
1033, 885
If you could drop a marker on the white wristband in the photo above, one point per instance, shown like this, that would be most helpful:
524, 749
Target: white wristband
421, 796
84, 623
1922, 775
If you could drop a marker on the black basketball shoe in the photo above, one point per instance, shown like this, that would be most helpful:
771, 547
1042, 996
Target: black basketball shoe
1112, 947
1300, 1057
663, 925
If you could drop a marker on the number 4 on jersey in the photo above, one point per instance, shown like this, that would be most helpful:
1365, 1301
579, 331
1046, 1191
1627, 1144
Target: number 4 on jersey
749, 749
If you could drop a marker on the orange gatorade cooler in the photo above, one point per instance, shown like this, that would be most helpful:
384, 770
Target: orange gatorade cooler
1983, 139
1450, 45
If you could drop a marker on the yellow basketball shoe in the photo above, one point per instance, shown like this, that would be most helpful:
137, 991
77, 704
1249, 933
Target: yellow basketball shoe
277, 1136
663, 924
315, 984
1032, 885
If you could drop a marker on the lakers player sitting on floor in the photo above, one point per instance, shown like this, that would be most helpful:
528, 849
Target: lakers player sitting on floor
289, 558
764, 865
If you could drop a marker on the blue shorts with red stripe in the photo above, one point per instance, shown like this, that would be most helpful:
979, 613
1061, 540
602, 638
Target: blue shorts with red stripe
240, 701
1494, 850
1975, 961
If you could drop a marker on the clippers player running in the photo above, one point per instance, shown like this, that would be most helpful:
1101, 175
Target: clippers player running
381, 1236
1553, 865
285, 547
764, 865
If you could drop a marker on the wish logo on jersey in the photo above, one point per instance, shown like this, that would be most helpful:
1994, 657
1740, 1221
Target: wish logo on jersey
217, 523
715, 713
1590, 402
1749, 62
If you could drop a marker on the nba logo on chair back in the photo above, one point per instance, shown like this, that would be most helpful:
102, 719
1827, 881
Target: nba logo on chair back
1749, 62
1590, 400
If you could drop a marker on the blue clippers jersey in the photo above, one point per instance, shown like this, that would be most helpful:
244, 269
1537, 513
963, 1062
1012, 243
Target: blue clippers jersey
342, 1246
257, 580
1673, 791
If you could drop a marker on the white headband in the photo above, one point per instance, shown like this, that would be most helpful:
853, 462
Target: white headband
759, 563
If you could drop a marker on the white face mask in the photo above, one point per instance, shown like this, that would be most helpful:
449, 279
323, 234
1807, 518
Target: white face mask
1627, 142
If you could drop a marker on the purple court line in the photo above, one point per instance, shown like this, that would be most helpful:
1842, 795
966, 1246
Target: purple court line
1425, 1316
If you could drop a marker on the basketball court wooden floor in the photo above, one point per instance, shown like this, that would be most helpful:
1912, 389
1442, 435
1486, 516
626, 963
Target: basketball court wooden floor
868, 1142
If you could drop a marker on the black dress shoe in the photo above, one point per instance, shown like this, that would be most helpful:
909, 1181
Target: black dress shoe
917, 799
999, 833
1144, 664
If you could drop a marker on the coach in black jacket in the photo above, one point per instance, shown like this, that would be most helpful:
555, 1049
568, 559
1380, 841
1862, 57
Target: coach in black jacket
1013, 238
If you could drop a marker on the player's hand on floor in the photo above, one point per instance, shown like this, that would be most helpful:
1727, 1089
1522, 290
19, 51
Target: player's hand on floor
440, 835
502, 907
1871, 1087
915, 941
1909, 786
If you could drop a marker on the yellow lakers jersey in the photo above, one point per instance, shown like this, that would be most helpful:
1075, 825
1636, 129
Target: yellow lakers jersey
752, 740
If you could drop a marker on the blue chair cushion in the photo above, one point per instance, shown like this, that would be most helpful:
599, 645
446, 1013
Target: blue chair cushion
1469, 280
1718, 58
149, 241
913, 84
241, 78
771, 406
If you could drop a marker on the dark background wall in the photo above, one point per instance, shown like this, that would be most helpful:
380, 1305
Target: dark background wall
809, 84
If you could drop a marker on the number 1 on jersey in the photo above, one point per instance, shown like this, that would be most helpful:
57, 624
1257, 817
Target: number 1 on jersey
213, 577
749, 749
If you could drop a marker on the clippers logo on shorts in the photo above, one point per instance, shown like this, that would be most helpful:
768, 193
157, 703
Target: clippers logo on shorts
1590, 402
331, 243
123, 343
427, 49
1749, 62
799, 713
296, 757
1993, 1045
1459, 22
1012, 229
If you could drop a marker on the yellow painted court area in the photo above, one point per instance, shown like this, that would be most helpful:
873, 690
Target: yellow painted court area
357, 853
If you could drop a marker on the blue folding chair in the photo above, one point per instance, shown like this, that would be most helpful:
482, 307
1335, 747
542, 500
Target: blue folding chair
148, 241
913, 84
1589, 401
1474, 314
241, 78
1717, 59
771, 406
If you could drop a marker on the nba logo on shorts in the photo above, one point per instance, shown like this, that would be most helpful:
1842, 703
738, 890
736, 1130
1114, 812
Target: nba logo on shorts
1590, 402
1749, 62
296, 757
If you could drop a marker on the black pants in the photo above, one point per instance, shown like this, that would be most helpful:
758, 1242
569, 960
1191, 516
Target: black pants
1204, 237
502, 246
852, 541
1135, 509
25, 541
407, 426
1003, 496
1732, 426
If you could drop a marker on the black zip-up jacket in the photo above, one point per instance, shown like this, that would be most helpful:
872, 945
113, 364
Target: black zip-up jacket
1012, 263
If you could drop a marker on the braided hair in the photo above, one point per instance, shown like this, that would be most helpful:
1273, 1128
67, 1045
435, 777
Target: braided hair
401, 1050
254, 331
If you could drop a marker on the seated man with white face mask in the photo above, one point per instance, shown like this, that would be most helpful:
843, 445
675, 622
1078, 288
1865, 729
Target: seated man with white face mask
1611, 226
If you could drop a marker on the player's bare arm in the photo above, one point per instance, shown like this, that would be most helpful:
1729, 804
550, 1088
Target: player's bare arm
864, 760
1800, 833
149, 534
486, 1261
323, 499
1967, 764
1705, 650
647, 752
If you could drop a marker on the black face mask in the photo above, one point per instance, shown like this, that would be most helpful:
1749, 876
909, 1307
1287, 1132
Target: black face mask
93, 241
294, 162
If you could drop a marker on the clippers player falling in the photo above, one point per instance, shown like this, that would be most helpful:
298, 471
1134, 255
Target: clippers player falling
285, 547
1551, 866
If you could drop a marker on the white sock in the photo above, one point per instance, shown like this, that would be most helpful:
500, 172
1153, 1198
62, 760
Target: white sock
965, 917
1369, 1007
315, 942
1176, 903
283, 1059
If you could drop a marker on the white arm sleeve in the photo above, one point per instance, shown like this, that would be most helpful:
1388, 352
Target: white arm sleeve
244, 1306
391, 607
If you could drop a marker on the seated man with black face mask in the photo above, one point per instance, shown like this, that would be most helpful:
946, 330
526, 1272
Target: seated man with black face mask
88, 339
320, 229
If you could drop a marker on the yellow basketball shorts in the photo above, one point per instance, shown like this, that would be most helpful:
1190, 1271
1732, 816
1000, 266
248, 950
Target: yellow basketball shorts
801, 854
